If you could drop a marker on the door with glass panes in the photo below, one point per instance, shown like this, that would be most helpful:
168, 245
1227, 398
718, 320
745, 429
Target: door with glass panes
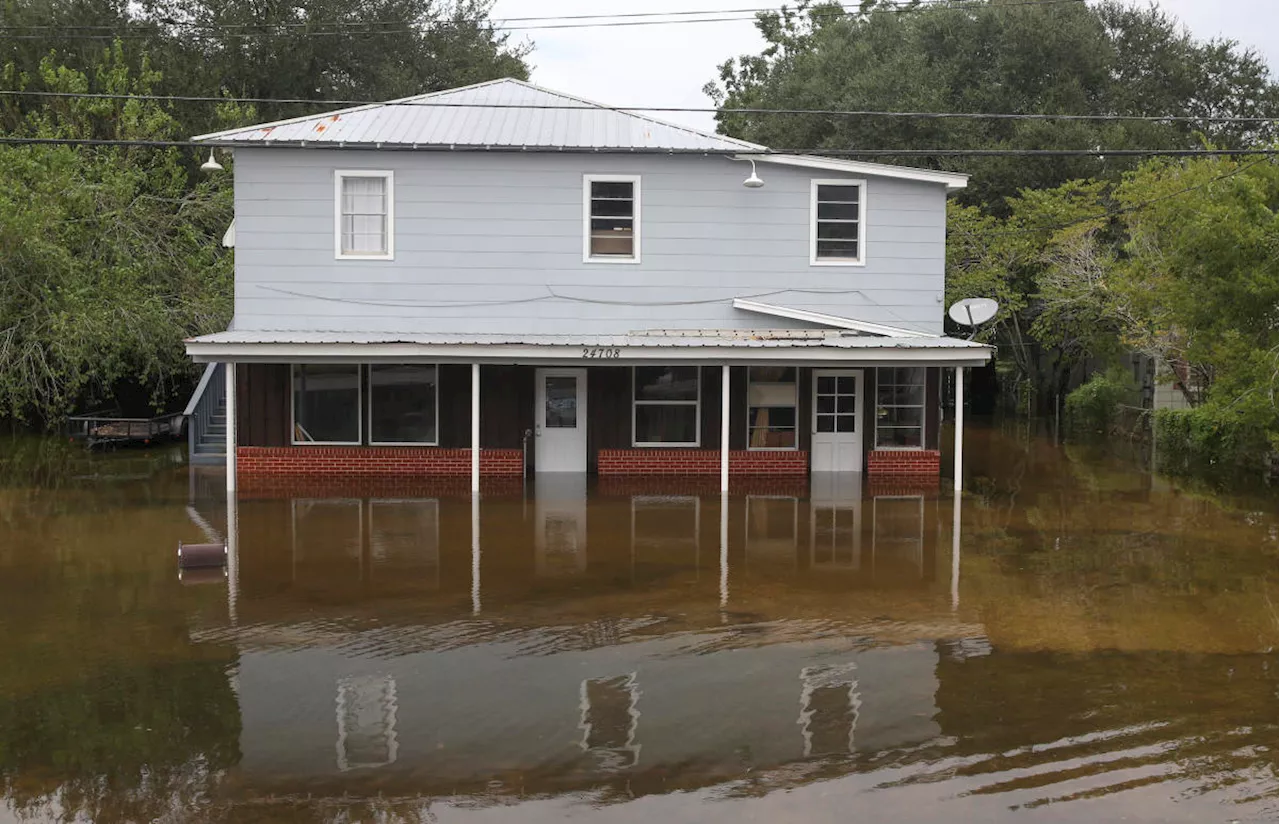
837, 420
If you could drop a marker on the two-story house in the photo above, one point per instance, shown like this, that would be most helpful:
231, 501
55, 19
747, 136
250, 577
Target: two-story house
502, 278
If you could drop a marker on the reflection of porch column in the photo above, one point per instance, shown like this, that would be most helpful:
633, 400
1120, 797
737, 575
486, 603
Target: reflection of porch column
475, 554
475, 427
959, 426
233, 559
724, 428
724, 549
955, 552
230, 372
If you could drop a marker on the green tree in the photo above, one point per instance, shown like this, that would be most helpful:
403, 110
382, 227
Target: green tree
109, 257
998, 56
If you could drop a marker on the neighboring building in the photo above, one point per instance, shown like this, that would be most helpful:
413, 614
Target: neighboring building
505, 262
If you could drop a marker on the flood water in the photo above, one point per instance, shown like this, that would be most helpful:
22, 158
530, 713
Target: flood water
1095, 644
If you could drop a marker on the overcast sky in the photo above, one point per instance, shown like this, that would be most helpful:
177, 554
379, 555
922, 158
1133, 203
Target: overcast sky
668, 65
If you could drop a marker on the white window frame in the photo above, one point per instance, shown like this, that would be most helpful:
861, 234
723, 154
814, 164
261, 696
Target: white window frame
634, 180
293, 408
338, 176
369, 406
796, 428
696, 403
861, 259
924, 417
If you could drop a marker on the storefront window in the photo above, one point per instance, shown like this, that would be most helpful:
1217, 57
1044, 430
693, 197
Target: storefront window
326, 403
771, 407
665, 405
900, 407
402, 403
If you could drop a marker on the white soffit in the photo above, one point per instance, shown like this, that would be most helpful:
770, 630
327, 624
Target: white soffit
952, 180
828, 320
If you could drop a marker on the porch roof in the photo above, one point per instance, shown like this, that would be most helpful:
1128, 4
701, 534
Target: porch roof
707, 346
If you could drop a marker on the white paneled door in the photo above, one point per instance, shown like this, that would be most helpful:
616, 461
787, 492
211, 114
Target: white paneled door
560, 421
837, 420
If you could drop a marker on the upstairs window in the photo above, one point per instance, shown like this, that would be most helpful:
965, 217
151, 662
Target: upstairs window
364, 215
837, 222
611, 214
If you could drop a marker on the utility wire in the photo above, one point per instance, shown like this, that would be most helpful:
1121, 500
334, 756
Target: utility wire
825, 11
624, 109
762, 152
408, 27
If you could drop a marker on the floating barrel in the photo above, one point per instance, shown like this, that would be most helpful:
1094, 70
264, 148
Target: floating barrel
201, 556
202, 575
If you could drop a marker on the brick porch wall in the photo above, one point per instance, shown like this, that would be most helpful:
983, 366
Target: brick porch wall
699, 462
904, 463
373, 460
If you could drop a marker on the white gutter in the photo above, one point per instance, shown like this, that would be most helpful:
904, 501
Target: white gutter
902, 350
829, 320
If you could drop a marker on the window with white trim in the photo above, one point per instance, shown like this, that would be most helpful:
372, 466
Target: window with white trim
771, 407
364, 212
402, 404
611, 218
900, 407
837, 222
666, 405
326, 403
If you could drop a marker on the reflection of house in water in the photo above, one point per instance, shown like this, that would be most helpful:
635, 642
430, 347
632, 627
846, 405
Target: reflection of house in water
361, 606
772, 524
665, 532
835, 522
560, 527
829, 703
366, 722
609, 720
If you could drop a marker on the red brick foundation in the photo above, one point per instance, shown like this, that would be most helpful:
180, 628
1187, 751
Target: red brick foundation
904, 463
347, 461
699, 462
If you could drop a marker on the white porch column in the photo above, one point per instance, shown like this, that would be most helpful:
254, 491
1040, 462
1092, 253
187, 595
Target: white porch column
959, 427
231, 425
724, 428
475, 427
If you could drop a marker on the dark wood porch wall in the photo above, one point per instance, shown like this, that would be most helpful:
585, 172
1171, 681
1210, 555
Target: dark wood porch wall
932, 407
262, 404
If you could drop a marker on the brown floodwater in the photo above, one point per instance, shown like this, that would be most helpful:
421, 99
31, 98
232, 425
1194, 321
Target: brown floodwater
1095, 644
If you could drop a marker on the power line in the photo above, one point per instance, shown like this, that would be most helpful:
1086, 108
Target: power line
667, 109
302, 144
343, 28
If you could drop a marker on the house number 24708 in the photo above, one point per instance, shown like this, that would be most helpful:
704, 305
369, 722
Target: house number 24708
597, 352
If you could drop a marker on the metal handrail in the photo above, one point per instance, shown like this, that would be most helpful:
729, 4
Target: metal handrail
209, 394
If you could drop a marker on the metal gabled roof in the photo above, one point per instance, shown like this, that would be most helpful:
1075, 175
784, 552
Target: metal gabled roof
499, 114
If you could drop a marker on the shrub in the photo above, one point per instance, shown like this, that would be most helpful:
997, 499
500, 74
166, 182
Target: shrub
1093, 405
1205, 436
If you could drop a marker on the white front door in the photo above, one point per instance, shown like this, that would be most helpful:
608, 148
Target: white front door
837, 420
560, 421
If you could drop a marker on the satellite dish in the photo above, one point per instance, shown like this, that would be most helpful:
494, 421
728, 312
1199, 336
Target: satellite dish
973, 311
